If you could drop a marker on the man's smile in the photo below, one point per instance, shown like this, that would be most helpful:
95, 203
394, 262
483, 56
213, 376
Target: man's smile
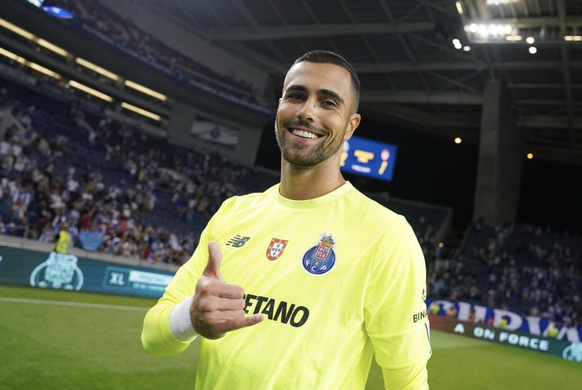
304, 133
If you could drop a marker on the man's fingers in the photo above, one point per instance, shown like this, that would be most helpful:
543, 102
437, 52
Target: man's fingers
218, 307
238, 323
210, 287
217, 317
214, 303
214, 260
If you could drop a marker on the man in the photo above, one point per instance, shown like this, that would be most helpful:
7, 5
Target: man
327, 277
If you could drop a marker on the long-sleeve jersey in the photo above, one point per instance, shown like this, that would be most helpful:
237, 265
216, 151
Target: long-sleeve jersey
340, 279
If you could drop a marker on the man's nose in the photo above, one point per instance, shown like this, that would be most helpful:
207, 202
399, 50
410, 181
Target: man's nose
307, 111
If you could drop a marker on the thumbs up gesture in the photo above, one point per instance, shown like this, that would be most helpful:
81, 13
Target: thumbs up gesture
218, 307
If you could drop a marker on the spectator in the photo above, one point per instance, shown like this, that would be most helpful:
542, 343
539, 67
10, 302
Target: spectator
62, 239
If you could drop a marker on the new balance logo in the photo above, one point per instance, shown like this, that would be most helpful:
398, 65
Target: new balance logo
238, 241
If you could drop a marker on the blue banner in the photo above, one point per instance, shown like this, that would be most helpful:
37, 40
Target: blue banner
491, 316
90, 241
567, 350
69, 272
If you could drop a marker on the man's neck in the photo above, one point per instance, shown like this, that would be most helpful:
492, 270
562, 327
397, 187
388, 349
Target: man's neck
303, 183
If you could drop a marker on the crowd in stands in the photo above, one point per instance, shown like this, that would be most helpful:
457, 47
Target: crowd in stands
111, 187
125, 33
199, 181
527, 269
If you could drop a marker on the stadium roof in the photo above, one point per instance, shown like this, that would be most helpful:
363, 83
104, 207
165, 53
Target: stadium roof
411, 70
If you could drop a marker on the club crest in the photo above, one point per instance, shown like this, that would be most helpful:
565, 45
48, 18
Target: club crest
59, 271
320, 258
276, 248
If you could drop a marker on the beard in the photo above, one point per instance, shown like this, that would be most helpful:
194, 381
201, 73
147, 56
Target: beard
302, 155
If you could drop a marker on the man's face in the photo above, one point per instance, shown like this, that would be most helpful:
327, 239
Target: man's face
315, 114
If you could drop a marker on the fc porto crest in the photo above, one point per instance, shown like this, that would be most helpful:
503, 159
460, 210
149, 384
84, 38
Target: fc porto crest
320, 258
276, 248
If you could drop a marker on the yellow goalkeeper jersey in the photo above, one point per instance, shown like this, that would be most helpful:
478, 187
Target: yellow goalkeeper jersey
338, 278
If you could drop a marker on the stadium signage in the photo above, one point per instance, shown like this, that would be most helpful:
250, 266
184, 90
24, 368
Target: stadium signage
546, 345
503, 337
69, 272
534, 325
59, 271
121, 279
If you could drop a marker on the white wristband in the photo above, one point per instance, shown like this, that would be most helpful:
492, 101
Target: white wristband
180, 322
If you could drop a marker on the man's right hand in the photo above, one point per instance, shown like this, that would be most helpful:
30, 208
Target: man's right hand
218, 307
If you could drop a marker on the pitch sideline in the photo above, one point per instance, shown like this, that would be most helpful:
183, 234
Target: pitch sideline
74, 304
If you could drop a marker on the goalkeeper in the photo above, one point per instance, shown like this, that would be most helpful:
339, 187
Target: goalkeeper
301, 286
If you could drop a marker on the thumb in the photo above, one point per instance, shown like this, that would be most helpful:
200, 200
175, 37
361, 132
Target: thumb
214, 259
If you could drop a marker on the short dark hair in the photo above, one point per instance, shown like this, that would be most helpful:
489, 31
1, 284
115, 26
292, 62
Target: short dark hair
329, 57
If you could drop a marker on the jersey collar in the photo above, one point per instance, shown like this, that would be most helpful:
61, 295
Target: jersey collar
316, 202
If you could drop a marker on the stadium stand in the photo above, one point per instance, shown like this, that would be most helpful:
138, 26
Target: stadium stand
527, 269
99, 21
425, 219
110, 178
139, 193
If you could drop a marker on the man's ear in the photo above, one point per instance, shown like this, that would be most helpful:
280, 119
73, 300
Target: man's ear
352, 125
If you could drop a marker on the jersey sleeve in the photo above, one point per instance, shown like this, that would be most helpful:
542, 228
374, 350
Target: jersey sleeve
395, 310
157, 337
408, 378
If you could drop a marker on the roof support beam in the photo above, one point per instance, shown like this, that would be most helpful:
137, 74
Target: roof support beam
565, 156
459, 82
421, 97
322, 30
258, 59
404, 67
566, 72
403, 42
437, 6
540, 86
215, 14
538, 21
543, 122
253, 22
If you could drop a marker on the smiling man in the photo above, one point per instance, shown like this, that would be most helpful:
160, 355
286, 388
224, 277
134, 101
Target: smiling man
320, 278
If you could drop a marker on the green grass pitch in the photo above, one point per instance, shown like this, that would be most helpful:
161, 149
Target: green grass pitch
93, 342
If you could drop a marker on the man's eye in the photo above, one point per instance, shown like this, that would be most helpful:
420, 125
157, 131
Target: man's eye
294, 96
329, 103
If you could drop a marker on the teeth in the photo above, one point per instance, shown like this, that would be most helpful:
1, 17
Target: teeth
304, 134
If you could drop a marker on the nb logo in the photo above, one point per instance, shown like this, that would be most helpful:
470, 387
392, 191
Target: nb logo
238, 241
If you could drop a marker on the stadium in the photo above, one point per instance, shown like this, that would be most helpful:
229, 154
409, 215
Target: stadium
126, 124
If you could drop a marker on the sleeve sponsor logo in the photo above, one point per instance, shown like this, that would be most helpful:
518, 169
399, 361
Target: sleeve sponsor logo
419, 316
